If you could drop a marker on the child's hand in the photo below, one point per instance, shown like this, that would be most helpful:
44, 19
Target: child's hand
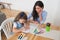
35, 22
26, 26
22, 29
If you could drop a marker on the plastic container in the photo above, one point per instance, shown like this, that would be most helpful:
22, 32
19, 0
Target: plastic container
48, 27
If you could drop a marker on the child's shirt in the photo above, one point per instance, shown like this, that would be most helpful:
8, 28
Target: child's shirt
17, 25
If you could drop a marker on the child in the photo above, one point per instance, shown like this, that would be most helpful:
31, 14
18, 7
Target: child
20, 23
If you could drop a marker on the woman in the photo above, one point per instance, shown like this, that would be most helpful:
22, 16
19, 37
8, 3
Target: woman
38, 14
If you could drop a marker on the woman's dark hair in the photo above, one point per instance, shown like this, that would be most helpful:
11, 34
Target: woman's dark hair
21, 15
34, 13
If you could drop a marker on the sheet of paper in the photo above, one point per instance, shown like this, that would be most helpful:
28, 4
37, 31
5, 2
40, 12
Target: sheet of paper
32, 28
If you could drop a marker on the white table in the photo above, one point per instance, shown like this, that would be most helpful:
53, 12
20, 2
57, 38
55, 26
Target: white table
0, 32
53, 34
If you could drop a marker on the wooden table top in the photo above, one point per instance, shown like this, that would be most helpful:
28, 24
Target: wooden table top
30, 37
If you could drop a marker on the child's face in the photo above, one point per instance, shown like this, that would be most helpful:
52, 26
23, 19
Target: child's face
22, 20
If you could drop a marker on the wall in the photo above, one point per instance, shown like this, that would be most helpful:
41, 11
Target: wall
57, 16
25, 5
51, 6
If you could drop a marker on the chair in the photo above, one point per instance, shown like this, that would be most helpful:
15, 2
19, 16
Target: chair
7, 26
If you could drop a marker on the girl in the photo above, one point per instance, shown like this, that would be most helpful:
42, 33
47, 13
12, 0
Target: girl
20, 22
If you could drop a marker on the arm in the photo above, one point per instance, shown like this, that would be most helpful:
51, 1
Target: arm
40, 18
44, 15
15, 30
26, 26
30, 18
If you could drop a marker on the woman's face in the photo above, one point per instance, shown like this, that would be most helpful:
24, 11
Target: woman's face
38, 9
22, 20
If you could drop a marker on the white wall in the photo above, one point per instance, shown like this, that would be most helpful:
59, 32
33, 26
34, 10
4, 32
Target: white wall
25, 5
53, 9
57, 16
51, 6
